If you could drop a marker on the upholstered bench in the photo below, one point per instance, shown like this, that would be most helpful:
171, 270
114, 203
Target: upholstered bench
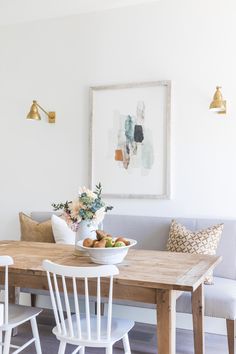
152, 233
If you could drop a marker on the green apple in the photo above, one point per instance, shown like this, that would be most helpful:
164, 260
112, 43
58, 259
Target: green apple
109, 242
119, 244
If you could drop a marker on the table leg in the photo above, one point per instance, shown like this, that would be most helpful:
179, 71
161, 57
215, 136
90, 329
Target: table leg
166, 321
198, 319
33, 299
14, 298
14, 295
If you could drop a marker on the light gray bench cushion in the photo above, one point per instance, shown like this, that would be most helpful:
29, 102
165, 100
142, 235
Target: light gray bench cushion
220, 299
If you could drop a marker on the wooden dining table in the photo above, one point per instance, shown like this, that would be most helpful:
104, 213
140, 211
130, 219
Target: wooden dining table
145, 276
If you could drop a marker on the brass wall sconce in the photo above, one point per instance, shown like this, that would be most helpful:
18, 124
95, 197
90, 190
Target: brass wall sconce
34, 113
218, 105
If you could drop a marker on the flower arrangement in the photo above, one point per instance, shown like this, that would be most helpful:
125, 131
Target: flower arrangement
87, 206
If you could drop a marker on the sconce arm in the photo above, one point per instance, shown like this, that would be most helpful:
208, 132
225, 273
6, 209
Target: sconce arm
42, 108
51, 115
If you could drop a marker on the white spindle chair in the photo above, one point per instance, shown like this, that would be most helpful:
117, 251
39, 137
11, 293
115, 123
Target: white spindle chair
84, 330
14, 316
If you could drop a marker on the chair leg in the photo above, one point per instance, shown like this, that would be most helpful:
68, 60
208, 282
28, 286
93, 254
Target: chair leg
82, 350
109, 350
7, 342
36, 335
230, 324
62, 348
1, 342
126, 345
14, 298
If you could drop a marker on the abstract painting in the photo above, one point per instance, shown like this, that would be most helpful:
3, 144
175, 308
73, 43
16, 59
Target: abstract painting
130, 139
134, 146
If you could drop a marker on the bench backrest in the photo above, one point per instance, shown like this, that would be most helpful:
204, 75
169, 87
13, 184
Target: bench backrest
152, 233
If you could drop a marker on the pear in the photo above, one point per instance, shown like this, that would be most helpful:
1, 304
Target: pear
100, 234
94, 243
88, 242
100, 244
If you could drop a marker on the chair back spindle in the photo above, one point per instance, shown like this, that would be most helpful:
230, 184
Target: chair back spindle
77, 309
109, 312
68, 310
98, 309
87, 309
59, 305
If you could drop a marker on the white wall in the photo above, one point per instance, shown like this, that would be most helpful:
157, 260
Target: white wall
55, 61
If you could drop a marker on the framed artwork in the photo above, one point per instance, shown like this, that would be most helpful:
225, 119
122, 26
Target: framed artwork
130, 139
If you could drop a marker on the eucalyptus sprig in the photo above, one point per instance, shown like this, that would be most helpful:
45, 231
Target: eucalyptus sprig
60, 206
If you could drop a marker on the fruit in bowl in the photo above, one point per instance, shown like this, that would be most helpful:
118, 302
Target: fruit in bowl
105, 249
105, 240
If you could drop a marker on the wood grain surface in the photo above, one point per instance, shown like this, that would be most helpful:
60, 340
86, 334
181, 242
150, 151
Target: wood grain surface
155, 277
143, 268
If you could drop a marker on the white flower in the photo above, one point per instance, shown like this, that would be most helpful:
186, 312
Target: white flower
99, 215
69, 222
89, 193
75, 207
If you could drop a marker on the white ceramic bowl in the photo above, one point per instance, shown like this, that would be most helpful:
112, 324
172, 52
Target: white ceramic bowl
109, 255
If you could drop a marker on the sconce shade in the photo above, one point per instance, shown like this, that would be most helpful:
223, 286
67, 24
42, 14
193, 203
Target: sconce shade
34, 112
218, 104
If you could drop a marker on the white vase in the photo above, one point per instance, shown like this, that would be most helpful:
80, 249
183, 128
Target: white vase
86, 229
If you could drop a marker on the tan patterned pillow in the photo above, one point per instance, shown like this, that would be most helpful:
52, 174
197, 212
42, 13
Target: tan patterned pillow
200, 242
34, 231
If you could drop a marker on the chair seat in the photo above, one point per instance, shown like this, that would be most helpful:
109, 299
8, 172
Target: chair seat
220, 299
118, 329
19, 314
